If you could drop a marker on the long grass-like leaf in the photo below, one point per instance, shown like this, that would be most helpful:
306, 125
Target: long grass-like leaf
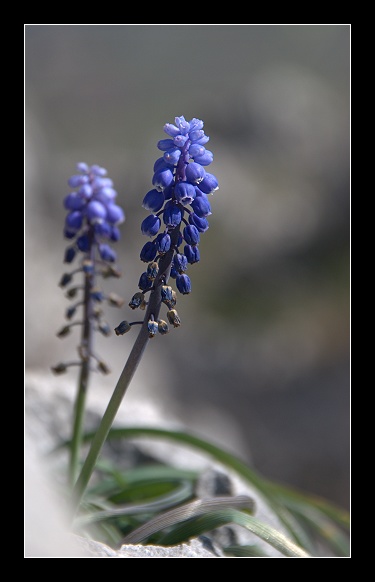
295, 500
183, 512
206, 515
179, 495
325, 528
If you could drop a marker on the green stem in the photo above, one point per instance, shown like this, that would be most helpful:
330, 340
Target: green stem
126, 376
79, 410
83, 382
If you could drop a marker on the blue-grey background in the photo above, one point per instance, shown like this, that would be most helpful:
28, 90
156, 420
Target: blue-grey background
264, 345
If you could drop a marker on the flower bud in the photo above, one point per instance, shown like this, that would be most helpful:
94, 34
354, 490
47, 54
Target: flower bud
183, 284
152, 327
65, 279
115, 300
173, 318
162, 327
136, 300
104, 328
122, 328
152, 270
59, 368
64, 331
102, 367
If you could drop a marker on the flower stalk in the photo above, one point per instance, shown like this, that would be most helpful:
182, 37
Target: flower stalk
90, 225
177, 198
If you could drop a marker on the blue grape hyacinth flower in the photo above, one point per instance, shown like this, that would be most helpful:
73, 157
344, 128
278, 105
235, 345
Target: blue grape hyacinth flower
92, 227
181, 189
179, 205
93, 216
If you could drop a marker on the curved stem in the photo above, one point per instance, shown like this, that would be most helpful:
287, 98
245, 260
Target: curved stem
126, 376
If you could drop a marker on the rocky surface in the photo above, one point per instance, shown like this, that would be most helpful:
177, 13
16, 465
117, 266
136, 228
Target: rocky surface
194, 549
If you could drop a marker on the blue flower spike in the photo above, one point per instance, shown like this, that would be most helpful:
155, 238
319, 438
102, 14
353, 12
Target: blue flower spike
178, 204
92, 227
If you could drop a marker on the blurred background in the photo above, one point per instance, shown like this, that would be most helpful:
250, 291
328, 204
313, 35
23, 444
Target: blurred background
261, 363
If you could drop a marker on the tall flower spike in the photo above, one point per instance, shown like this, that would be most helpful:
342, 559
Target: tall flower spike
179, 206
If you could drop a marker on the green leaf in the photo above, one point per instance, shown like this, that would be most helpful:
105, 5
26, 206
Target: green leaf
177, 496
183, 512
203, 516
296, 499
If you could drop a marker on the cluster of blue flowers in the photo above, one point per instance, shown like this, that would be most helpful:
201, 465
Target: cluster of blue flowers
93, 216
178, 200
179, 205
91, 225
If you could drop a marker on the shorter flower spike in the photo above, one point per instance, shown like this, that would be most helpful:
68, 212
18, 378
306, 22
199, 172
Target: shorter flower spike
91, 225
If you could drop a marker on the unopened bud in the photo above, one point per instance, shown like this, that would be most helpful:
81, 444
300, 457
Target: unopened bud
72, 292
83, 353
152, 327
122, 328
70, 312
110, 271
162, 327
152, 270
97, 295
70, 253
64, 331
173, 318
65, 279
102, 367
136, 300
115, 300
104, 328
88, 266
59, 369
